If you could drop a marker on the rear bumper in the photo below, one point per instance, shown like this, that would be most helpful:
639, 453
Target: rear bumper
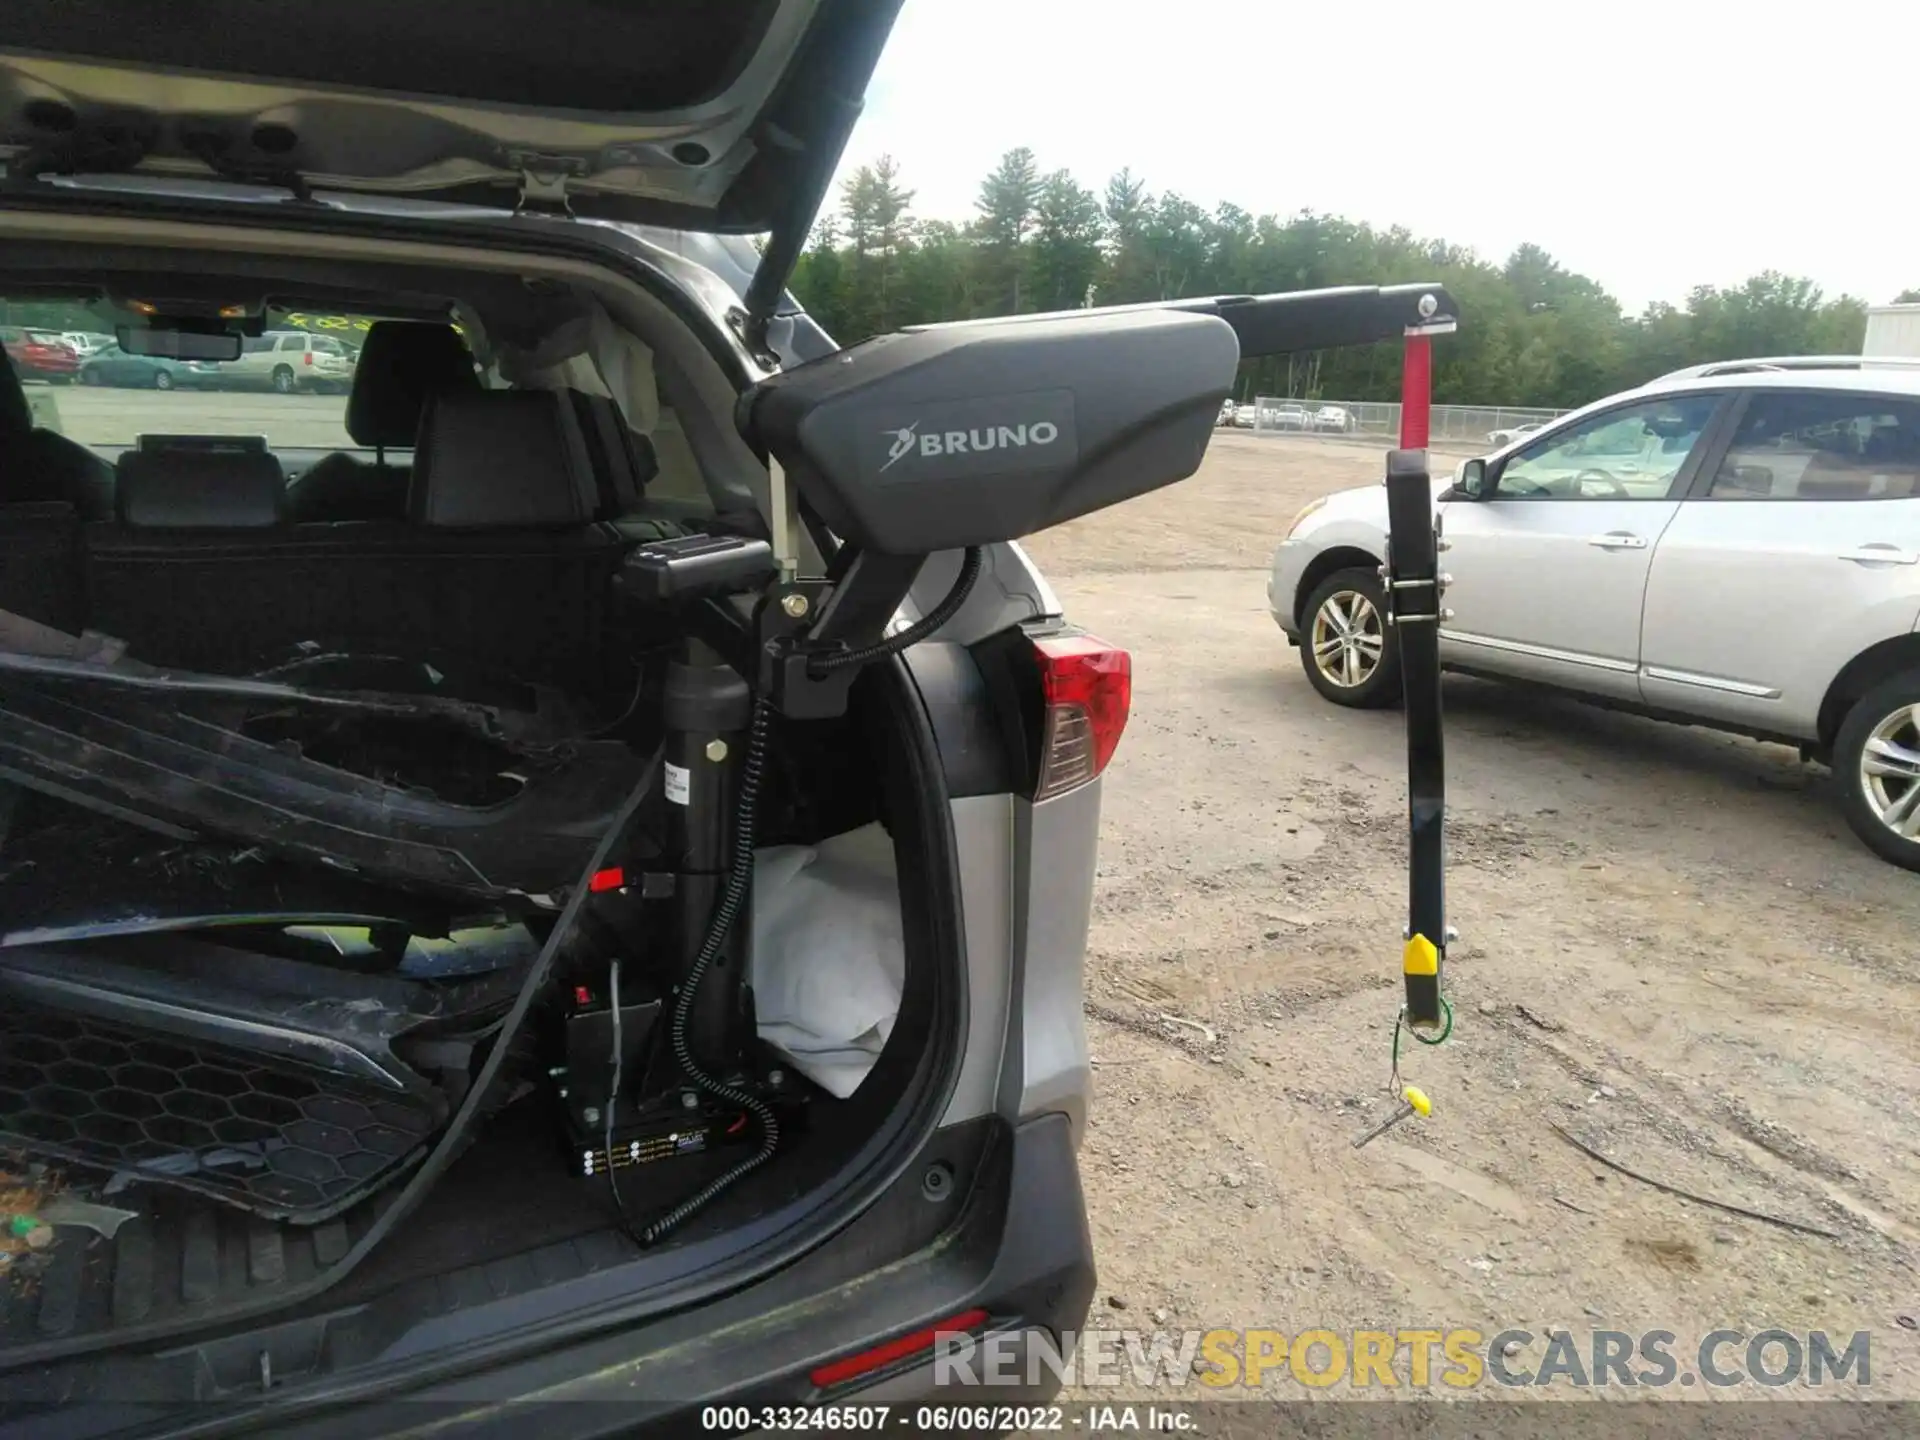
1019, 1250
1023, 1255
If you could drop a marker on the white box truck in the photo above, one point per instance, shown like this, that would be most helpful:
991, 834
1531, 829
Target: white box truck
1892, 330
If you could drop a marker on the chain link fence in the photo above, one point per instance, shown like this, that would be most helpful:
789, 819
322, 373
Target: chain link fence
1451, 424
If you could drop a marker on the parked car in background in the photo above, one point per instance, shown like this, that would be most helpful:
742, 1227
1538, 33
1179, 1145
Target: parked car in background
289, 362
1229, 413
111, 365
40, 355
1508, 434
1243, 417
1336, 418
86, 342
1739, 550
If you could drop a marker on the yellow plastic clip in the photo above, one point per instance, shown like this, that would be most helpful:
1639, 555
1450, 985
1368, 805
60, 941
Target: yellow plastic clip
1421, 957
1413, 1102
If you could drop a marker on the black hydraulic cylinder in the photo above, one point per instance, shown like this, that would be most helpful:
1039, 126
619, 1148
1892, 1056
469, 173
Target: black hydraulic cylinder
1413, 580
707, 710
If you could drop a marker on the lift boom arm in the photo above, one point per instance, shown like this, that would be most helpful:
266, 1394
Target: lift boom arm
1414, 586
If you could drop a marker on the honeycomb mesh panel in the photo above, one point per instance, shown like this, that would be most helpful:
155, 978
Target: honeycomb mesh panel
281, 1139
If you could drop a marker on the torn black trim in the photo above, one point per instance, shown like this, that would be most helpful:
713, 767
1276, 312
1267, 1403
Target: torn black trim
550, 725
182, 773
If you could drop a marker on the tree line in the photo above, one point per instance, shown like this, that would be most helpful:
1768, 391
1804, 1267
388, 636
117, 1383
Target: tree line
1532, 332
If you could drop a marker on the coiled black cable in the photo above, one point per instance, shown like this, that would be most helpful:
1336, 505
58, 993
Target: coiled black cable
725, 914
733, 898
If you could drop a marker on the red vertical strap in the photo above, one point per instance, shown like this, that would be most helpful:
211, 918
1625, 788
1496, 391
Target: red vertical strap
1416, 393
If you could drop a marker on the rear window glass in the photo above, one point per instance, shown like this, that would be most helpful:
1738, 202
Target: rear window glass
1822, 445
289, 384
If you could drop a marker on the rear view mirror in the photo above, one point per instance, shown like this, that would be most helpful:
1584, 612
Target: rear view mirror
1471, 482
169, 344
969, 434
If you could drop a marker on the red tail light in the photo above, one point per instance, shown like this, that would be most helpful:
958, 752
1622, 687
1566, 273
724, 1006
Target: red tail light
852, 1367
1088, 686
307, 359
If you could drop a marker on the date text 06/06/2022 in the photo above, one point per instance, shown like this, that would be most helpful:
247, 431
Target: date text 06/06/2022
1092, 1420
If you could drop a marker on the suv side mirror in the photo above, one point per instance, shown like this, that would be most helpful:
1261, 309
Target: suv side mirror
1471, 483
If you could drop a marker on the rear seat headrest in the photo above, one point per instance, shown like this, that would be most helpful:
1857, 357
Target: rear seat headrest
201, 487
16, 411
624, 461
402, 364
501, 458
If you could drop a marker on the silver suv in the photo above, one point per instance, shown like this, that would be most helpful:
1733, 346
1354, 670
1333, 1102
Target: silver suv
1733, 545
290, 362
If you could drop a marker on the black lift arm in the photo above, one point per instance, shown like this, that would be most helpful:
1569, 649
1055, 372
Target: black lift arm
1414, 586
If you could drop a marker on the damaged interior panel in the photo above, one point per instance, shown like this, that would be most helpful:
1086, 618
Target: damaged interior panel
341, 781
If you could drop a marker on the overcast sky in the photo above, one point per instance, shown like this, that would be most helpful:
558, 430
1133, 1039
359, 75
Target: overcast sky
1651, 146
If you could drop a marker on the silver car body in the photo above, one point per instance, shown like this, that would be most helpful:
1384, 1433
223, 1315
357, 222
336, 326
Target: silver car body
1501, 438
1673, 574
309, 360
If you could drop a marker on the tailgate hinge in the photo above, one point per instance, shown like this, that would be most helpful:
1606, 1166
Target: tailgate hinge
753, 334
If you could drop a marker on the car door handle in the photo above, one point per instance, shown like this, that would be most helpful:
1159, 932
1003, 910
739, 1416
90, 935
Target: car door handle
1618, 540
1880, 553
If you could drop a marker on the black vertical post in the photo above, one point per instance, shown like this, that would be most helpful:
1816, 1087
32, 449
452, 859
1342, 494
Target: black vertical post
1413, 595
707, 710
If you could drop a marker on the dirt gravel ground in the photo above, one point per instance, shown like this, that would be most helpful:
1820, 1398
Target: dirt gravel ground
1670, 946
